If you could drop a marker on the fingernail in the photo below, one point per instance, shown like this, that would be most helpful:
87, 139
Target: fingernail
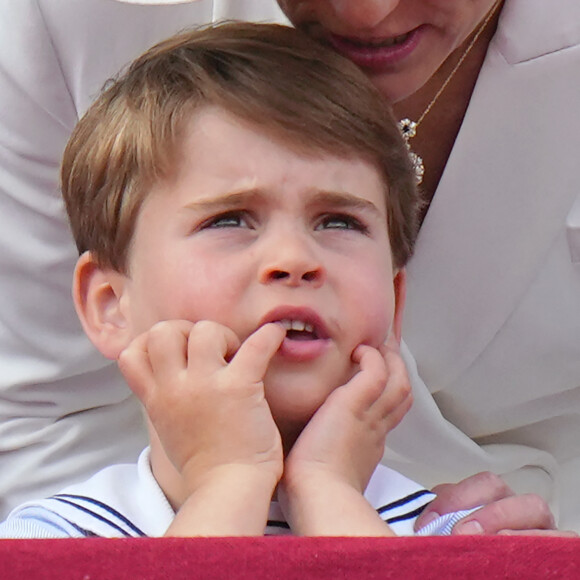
470, 528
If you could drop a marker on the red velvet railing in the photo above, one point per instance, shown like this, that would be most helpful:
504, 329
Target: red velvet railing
454, 558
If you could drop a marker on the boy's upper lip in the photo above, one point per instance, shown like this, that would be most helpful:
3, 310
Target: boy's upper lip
298, 313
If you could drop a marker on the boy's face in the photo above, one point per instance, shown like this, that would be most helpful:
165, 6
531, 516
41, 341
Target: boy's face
246, 232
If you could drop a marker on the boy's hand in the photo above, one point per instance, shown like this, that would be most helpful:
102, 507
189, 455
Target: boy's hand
341, 446
204, 395
346, 436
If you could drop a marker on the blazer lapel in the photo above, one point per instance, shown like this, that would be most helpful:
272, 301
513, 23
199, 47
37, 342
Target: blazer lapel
504, 197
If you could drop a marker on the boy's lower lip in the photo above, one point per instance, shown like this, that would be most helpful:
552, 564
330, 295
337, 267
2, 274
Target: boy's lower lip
303, 350
375, 57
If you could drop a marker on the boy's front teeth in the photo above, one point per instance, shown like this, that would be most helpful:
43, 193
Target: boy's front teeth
298, 325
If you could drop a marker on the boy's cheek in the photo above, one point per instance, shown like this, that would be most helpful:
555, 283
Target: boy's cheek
377, 317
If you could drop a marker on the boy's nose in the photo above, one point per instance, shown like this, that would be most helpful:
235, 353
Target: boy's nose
362, 14
291, 277
290, 260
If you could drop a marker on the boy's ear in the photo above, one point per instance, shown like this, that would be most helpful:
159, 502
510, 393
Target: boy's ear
400, 286
98, 297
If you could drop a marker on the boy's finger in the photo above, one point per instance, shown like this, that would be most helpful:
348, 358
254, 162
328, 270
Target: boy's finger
395, 410
250, 363
368, 384
390, 396
135, 367
210, 346
398, 391
167, 347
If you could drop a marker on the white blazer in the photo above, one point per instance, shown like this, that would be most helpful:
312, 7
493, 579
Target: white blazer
493, 305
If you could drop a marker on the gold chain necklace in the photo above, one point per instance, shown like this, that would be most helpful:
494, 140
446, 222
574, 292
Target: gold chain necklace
409, 128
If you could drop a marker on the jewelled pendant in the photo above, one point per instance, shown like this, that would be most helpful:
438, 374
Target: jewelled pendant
408, 130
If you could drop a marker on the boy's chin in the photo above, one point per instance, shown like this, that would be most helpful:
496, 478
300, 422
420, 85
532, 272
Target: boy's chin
294, 400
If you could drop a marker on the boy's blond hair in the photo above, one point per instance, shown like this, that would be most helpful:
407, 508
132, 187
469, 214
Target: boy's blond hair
302, 94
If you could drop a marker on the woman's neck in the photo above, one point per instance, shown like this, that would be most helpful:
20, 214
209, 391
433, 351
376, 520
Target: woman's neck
437, 132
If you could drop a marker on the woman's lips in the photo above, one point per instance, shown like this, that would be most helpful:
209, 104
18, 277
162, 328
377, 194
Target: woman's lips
376, 55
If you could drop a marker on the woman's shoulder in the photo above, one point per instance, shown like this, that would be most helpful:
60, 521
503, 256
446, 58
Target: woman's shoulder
530, 29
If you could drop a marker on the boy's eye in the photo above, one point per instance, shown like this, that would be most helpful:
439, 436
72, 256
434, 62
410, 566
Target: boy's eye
341, 222
231, 219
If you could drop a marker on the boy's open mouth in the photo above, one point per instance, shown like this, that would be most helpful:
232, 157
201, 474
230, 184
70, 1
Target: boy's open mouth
306, 333
307, 337
299, 330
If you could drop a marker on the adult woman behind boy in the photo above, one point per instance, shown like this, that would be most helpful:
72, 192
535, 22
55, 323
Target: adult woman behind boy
489, 90
493, 306
492, 313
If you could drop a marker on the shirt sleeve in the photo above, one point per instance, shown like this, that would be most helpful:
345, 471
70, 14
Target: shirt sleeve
39, 524
443, 525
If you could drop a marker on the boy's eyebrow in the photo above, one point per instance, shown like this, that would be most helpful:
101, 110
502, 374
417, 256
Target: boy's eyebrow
234, 198
345, 200
339, 200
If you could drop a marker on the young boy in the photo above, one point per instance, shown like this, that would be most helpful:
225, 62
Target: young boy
244, 207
